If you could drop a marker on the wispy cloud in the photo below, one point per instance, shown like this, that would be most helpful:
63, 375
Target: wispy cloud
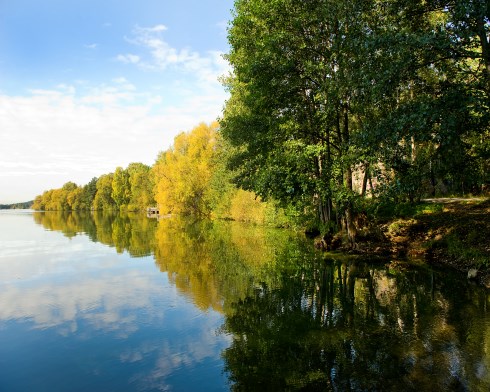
128, 58
158, 55
154, 29
90, 46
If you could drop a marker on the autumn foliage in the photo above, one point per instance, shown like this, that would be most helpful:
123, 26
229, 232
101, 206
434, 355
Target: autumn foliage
189, 178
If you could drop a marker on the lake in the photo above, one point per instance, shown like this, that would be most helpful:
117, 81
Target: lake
120, 302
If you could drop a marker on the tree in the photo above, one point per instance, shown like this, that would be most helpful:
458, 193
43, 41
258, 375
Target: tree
183, 173
38, 203
425, 76
121, 191
103, 198
141, 186
88, 194
291, 114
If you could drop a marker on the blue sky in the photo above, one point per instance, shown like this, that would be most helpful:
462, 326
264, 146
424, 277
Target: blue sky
86, 86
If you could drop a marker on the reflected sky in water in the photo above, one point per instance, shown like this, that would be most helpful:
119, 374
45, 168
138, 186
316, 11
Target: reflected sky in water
76, 315
114, 302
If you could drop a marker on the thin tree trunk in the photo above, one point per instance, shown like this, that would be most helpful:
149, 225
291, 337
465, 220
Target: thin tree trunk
349, 213
365, 179
485, 44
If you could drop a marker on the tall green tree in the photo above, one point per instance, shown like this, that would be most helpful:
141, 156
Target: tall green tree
121, 189
88, 194
291, 114
103, 198
141, 186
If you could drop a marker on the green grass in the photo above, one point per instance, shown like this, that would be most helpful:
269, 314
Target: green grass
463, 250
406, 210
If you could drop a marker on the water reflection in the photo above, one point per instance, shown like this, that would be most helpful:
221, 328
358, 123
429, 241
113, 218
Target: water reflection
212, 263
297, 321
126, 231
352, 326
89, 318
209, 263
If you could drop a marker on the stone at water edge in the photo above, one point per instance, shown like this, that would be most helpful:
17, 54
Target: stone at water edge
472, 273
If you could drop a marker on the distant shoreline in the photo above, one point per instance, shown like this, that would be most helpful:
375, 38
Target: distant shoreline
17, 206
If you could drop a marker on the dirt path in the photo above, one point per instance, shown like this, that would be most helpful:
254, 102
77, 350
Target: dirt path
455, 200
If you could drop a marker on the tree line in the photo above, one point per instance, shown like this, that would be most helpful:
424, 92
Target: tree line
335, 107
336, 103
15, 206
124, 189
189, 178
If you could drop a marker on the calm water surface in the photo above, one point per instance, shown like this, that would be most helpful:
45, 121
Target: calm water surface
101, 302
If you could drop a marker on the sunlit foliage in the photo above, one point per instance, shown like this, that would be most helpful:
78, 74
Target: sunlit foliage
183, 172
125, 189
103, 198
328, 97
141, 186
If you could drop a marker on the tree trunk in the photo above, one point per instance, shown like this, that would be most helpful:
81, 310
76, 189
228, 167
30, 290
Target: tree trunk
349, 213
325, 211
365, 179
324, 206
485, 44
351, 226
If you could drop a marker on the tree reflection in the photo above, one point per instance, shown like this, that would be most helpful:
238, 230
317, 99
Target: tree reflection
213, 263
216, 263
299, 321
129, 232
352, 326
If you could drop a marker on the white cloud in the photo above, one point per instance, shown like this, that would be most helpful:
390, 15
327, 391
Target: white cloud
161, 56
65, 134
67, 88
90, 46
78, 130
154, 29
128, 58
123, 83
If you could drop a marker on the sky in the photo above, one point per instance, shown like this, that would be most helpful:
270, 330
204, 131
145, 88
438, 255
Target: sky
90, 85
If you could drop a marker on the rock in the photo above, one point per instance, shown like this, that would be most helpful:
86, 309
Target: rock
472, 273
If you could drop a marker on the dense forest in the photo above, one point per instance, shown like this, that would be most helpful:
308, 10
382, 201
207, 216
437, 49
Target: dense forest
336, 108
333, 102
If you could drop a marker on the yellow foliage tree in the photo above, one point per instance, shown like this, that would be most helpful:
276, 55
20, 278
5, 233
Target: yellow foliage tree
183, 173
246, 206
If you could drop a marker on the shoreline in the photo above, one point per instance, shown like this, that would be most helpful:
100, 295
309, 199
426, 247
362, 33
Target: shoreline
455, 235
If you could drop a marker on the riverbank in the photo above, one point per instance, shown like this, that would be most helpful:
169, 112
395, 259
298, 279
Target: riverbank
452, 232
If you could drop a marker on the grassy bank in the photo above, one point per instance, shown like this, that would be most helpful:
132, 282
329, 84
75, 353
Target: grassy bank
453, 232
